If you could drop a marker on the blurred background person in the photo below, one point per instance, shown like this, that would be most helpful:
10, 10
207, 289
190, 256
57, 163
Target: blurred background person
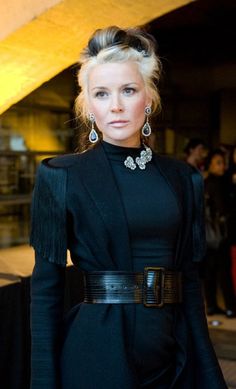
217, 265
196, 152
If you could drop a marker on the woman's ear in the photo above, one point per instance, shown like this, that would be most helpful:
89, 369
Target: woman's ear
148, 102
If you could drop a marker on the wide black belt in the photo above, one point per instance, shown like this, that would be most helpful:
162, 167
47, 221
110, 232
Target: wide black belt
153, 287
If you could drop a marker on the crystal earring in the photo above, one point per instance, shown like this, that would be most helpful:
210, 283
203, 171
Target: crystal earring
146, 130
93, 136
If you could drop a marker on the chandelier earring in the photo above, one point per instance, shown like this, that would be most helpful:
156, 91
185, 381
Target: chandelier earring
146, 130
93, 136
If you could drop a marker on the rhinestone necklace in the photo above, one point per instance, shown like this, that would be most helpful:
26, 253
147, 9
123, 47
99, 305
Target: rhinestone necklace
145, 156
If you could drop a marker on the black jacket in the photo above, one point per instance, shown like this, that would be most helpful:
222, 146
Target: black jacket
77, 206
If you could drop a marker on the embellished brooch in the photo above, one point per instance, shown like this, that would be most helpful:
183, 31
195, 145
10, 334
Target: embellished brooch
141, 161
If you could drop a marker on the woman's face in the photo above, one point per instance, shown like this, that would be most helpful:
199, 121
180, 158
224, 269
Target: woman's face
217, 165
117, 98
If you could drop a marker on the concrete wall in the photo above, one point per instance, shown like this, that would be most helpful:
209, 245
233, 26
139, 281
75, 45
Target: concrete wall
16, 13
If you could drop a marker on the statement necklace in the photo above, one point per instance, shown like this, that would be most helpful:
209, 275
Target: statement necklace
145, 156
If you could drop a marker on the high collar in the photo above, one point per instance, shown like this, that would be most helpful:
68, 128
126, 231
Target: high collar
120, 153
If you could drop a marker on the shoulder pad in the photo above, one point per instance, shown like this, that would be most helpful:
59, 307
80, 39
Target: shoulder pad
61, 161
48, 214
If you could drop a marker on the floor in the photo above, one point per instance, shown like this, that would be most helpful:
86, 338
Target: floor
229, 370
223, 335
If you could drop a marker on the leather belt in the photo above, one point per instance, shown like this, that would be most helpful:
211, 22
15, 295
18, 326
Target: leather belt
153, 287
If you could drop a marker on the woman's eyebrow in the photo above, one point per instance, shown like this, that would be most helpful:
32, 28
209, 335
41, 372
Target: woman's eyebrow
122, 86
130, 83
99, 87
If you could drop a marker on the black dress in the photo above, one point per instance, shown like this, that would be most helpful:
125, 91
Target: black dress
153, 220
112, 218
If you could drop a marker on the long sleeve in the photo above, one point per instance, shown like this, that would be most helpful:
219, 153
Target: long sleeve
206, 360
49, 239
47, 298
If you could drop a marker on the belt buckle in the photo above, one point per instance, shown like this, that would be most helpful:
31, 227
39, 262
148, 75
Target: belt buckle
154, 276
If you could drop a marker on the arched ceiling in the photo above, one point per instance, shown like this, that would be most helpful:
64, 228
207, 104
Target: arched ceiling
16, 13
42, 44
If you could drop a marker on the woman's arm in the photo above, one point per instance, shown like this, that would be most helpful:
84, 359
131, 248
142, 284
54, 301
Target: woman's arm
208, 371
47, 302
49, 239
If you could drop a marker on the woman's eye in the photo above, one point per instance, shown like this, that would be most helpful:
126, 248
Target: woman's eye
129, 91
101, 94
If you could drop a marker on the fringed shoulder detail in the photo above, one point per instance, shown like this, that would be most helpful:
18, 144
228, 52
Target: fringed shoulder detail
48, 233
198, 228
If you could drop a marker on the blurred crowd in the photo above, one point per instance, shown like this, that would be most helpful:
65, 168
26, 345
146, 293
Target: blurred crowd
218, 168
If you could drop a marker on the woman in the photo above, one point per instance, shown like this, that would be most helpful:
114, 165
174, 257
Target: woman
217, 266
128, 218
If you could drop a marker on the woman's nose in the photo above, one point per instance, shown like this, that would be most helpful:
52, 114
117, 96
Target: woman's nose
116, 104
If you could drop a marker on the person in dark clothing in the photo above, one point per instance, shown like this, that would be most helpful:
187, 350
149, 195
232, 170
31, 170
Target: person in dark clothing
218, 260
133, 223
